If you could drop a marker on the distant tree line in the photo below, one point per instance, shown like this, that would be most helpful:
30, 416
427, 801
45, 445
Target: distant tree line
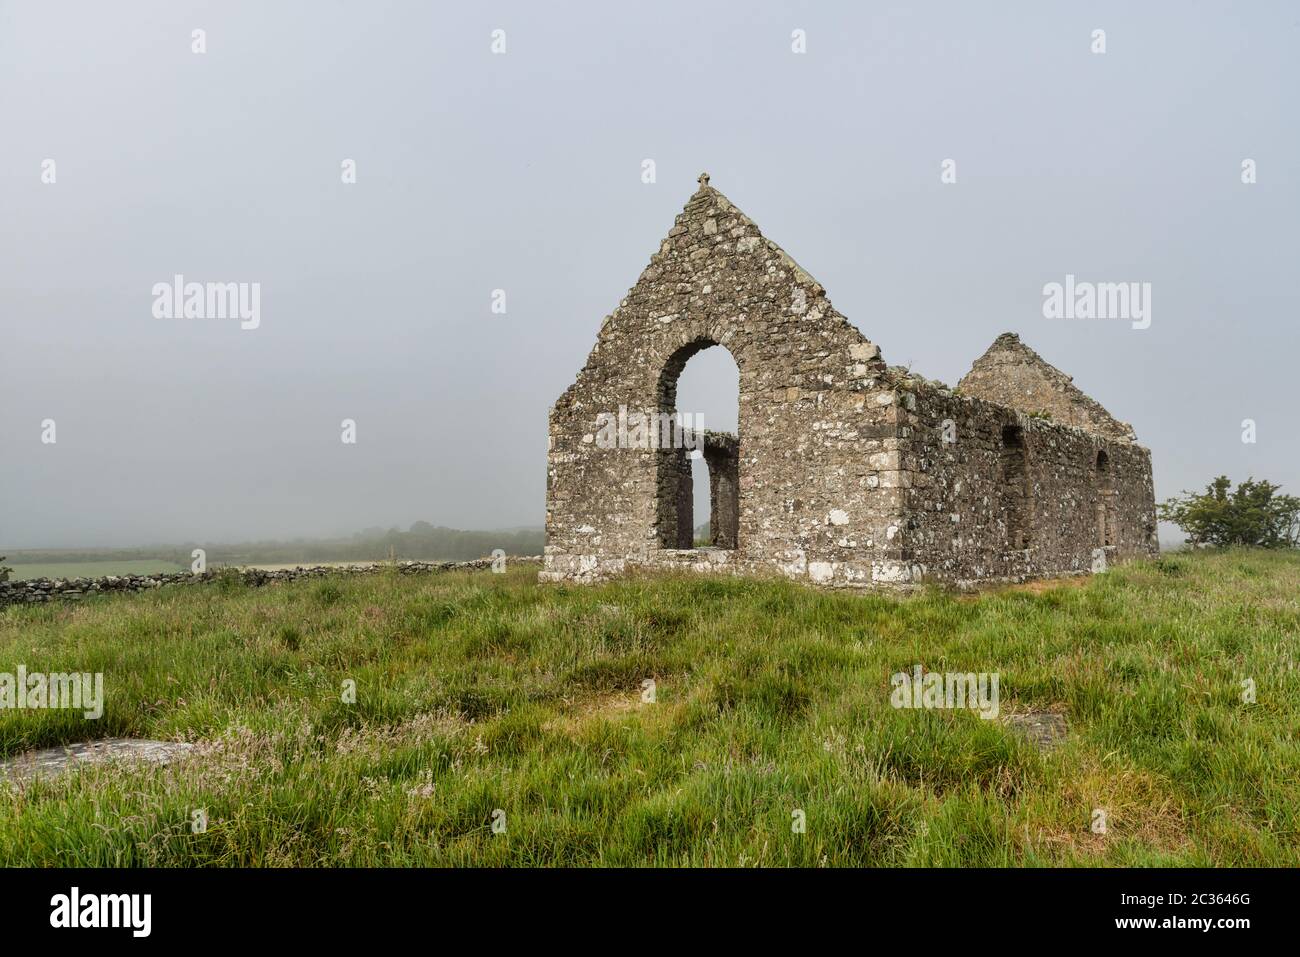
421, 541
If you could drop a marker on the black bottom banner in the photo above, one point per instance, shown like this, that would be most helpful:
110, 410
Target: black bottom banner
337, 906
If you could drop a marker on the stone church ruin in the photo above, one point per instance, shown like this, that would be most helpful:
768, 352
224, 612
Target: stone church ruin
844, 471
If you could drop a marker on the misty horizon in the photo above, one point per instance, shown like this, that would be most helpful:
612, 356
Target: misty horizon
523, 173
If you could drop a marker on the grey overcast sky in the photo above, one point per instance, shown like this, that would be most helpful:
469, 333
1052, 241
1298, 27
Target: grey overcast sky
522, 171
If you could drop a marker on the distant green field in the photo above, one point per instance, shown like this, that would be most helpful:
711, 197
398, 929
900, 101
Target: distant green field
144, 566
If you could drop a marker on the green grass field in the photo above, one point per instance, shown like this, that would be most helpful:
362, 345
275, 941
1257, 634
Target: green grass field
144, 566
478, 692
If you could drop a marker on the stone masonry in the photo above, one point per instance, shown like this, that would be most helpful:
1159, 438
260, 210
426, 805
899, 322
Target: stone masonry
844, 471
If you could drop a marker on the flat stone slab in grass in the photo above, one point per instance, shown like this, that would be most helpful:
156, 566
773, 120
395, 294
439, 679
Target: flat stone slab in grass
51, 761
1046, 729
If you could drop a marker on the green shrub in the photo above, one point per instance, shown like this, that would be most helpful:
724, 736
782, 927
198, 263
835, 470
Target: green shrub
1253, 514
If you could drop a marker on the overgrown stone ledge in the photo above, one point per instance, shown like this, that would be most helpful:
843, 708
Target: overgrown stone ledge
36, 590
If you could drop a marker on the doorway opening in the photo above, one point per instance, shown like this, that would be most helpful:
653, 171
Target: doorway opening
1105, 501
1014, 487
699, 482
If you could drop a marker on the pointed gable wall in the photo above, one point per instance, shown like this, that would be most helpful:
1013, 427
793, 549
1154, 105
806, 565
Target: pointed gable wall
716, 277
815, 437
1014, 375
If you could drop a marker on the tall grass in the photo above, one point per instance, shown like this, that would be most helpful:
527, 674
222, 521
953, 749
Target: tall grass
478, 693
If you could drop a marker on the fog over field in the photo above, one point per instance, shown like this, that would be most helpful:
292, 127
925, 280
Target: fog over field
523, 172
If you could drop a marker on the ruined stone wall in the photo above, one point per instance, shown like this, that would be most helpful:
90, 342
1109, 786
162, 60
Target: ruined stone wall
817, 458
722, 453
843, 474
963, 486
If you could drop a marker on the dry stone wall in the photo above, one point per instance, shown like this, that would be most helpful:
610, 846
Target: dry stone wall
32, 591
